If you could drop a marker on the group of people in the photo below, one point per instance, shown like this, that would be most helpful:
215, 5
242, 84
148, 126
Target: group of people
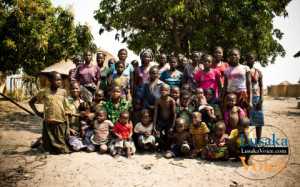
193, 107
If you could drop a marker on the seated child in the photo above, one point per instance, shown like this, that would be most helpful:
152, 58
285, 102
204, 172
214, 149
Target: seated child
144, 131
239, 137
199, 133
123, 131
199, 99
102, 128
86, 128
99, 101
73, 103
175, 94
164, 116
232, 113
216, 149
180, 140
185, 109
212, 101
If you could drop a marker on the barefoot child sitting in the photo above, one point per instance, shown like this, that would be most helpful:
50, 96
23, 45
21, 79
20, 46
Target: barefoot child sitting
233, 113
144, 131
102, 128
123, 131
217, 148
199, 133
180, 140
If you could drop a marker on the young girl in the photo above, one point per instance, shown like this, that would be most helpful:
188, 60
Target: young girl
217, 148
73, 104
164, 115
55, 128
218, 62
208, 78
233, 113
199, 133
123, 131
144, 131
180, 140
121, 80
238, 81
102, 128
116, 105
172, 77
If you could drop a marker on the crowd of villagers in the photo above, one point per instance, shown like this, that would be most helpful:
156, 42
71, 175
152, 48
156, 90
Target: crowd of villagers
200, 106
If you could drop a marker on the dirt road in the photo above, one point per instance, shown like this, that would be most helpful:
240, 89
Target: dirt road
21, 166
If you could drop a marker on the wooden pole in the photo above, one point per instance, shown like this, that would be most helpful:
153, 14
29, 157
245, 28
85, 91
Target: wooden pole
18, 105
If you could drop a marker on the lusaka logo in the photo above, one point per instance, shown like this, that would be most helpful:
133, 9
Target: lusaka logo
268, 156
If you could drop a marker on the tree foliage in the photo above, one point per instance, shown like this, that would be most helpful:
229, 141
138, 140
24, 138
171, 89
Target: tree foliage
185, 25
34, 35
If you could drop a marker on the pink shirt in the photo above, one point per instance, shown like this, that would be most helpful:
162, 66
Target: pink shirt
206, 80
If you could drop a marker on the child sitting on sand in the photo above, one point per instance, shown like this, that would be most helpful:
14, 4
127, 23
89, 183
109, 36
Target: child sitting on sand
180, 140
217, 148
123, 131
102, 128
232, 113
144, 131
199, 133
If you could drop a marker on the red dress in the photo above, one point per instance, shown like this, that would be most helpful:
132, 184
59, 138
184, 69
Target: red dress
124, 130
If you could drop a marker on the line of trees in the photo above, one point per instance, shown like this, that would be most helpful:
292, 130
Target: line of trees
186, 25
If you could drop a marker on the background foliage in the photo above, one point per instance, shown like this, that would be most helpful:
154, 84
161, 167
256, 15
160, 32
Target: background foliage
186, 25
34, 35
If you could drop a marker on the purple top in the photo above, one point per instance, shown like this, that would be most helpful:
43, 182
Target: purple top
87, 74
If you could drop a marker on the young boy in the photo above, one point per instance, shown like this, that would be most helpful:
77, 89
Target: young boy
123, 131
180, 140
55, 128
164, 115
175, 94
199, 132
102, 127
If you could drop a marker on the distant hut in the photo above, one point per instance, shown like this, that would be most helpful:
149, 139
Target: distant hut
284, 89
63, 67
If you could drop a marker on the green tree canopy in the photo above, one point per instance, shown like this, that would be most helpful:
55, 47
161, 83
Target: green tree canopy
185, 25
34, 35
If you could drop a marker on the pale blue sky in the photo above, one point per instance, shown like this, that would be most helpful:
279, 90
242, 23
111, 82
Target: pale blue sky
287, 68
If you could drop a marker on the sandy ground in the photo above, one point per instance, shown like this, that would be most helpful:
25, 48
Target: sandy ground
21, 166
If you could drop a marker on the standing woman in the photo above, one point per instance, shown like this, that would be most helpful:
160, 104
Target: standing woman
172, 77
218, 62
87, 75
237, 79
256, 114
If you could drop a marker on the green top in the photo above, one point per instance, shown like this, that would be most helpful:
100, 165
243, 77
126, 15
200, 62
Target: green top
113, 112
